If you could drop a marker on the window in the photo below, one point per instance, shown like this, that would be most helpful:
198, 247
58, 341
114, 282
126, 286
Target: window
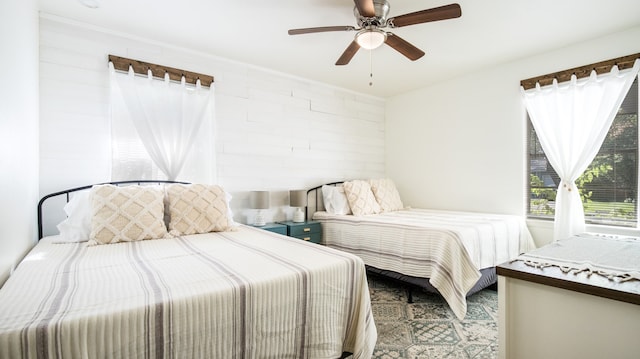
609, 186
130, 159
161, 128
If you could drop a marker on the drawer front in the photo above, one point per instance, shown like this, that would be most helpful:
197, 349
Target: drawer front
304, 230
311, 237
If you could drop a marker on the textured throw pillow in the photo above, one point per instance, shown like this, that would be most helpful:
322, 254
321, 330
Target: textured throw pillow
335, 200
125, 214
197, 208
361, 199
386, 194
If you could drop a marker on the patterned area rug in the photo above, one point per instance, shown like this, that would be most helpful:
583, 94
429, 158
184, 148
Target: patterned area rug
428, 328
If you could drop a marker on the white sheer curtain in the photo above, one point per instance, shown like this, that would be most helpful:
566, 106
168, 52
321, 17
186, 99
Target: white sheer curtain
572, 120
172, 121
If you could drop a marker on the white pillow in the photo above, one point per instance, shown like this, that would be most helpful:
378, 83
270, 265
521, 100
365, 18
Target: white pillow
77, 226
227, 197
361, 199
335, 200
386, 194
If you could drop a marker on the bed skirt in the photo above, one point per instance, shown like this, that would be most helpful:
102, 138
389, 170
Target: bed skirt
487, 279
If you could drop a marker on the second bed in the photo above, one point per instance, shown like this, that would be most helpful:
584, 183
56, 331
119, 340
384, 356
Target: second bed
452, 253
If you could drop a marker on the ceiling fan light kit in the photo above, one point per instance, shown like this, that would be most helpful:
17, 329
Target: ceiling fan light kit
371, 17
371, 38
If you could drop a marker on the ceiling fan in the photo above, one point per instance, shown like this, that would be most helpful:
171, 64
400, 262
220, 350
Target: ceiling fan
371, 16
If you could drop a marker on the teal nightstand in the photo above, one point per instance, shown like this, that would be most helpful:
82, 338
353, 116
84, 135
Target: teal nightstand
309, 231
274, 227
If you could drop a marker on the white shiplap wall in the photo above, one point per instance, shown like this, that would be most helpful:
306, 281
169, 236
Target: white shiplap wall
274, 132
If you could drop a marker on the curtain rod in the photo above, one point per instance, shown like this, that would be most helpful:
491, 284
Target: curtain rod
141, 67
624, 62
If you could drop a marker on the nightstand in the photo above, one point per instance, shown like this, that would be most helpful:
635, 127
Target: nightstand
309, 231
274, 227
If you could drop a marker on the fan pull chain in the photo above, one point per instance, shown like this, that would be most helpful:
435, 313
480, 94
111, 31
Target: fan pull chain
370, 68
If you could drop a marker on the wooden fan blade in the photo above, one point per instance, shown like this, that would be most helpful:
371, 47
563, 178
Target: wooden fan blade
348, 54
438, 13
365, 8
310, 30
402, 46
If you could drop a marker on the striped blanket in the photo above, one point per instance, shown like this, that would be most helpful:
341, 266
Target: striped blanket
448, 248
243, 294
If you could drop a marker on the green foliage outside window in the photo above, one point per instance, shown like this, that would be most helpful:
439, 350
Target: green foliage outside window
543, 196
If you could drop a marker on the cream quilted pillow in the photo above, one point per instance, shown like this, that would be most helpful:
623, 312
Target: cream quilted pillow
361, 199
125, 214
197, 208
386, 194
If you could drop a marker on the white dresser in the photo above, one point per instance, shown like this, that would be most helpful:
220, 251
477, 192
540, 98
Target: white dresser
545, 312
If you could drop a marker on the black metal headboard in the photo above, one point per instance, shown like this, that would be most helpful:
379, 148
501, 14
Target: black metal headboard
316, 194
71, 190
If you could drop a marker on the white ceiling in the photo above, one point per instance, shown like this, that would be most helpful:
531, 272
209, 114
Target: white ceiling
255, 32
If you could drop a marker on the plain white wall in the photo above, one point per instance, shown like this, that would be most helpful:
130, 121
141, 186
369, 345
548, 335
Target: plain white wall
274, 132
18, 130
460, 144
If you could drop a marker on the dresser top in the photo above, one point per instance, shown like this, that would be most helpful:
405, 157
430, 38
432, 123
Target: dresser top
579, 281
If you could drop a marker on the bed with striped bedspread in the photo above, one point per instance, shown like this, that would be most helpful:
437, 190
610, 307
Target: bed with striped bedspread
446, 248
242, 294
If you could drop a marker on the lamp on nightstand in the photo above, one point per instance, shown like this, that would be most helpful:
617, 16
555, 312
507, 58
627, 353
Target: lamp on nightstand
298, 198
259, 200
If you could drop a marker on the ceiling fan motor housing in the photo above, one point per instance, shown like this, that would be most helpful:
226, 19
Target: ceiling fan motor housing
370, 33
380, 20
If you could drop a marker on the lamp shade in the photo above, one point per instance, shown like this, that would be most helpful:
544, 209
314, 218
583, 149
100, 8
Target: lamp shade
298, 198
259, 199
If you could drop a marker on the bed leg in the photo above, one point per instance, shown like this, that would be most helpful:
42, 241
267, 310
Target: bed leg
409, 295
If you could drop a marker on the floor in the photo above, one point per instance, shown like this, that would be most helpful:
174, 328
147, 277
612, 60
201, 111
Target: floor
428, 328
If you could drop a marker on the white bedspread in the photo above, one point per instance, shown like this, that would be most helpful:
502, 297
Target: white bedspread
244, 294
447, 247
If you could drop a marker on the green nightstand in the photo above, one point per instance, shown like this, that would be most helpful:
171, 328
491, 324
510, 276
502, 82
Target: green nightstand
309, 231
274, 227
